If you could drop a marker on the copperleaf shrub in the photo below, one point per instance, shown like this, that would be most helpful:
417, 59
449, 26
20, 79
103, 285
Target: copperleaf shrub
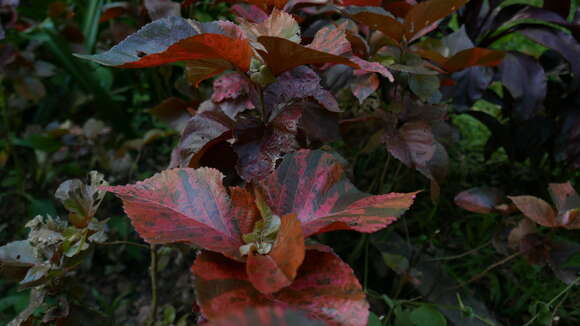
253, 237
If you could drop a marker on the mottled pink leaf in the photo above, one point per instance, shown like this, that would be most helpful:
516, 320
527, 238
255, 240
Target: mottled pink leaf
266, 316
373, 67
331, 39
232, 92
480, 199
325, 287
313, 185
183, 205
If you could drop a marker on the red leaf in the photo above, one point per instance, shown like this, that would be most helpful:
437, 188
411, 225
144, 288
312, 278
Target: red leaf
276, 270
199, 70
313, 185
183, 205
536, 209
325, 287
480, 199
113, 10
473, 57
398, 8
175, 39
244, 209
282, 55
266, 316
427, 13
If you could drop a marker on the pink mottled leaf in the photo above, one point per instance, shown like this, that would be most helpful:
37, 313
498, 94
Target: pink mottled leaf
369, 66
325, 287
266, 316
232, 92
331, 39
276, 270
313, 185
480, 199
183, 205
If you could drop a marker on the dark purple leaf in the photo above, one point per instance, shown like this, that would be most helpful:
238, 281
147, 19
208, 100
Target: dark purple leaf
568, 141
524, 77
249, 12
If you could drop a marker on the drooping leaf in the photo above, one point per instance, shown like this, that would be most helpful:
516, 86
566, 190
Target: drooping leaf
175, 39
266, 316
16, 258
276, 270
325, 287
481, 200
313, 185
428, 12
183, 205
282, 55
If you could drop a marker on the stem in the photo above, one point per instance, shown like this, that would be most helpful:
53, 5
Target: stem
366, 270
153, 274
114, 243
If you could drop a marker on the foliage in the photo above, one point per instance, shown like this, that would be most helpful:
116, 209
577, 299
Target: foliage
284, 110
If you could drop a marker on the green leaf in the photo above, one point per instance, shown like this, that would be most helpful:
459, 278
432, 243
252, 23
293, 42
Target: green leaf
424, 86
374, 320
402, 317
426, 315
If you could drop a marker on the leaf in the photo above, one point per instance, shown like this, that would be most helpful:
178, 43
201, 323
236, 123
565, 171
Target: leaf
369, 66
276, 270
266, 316
16, 258
232, 92
331, 39
199, 70
249, 12
204, 130
361, 3
174, 112
325, 287
426, 13
313, 185
183, 205
424, 86
282, 55
158, 9
175, 39
474, 57
260, 146
526, 81
364, 85
524, 228
480, 199
536, 209
389, 26
564, 196
426, 315
298, 83
82, 200
413, 144
279, 24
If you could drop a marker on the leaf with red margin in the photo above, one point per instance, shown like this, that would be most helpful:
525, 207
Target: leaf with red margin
313, 185
282, 55
266, 316
208, 127
175, 39
426, 13
277, 270
536, 209
474, 57
183, 205
249, 12
480, 199
325, 287
259, 147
